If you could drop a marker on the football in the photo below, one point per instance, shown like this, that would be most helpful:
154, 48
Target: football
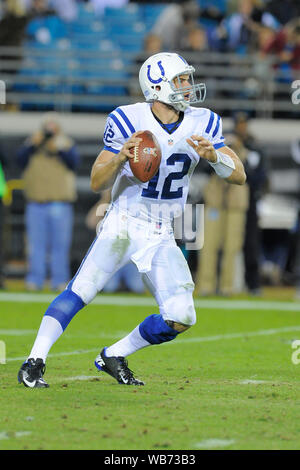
146, 157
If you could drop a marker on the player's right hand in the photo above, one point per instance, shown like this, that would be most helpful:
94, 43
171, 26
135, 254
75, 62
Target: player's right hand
125, 151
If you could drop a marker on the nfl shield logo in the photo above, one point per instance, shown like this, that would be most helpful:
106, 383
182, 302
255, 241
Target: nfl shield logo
170, 142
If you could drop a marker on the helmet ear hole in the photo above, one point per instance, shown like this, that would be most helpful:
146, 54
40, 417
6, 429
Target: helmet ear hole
157, 88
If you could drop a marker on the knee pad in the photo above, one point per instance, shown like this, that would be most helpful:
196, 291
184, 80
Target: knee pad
155, 330
65, 307
180, 308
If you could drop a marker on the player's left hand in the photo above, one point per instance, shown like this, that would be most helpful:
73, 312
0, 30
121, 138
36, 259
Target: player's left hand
203, 147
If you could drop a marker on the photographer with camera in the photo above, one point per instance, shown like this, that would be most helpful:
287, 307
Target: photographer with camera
49, 159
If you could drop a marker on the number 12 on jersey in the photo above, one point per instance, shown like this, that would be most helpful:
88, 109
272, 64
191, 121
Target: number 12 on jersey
166, 193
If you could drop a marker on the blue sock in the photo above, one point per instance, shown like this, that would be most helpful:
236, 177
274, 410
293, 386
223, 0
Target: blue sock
65, 307
155, 330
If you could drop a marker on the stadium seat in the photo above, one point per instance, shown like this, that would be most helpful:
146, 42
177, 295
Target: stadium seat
106, 77
221, 5
85, 56
52, 27
131, 12
150, 13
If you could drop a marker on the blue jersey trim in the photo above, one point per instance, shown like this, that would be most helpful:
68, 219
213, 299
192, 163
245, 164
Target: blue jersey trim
210, 122
117, 122
110, 149
130, 126
219, 145
217, 127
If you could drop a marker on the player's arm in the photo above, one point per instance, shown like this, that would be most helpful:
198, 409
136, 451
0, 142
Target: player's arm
108, 164
238, 176
225, 162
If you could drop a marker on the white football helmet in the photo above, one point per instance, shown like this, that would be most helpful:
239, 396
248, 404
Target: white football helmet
157, 76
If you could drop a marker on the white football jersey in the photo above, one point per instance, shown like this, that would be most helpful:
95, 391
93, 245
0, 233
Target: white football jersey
164, 196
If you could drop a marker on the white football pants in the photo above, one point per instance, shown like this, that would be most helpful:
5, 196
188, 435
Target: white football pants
154, 251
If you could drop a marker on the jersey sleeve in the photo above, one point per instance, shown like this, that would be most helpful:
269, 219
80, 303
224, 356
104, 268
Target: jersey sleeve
117, 131
213, 131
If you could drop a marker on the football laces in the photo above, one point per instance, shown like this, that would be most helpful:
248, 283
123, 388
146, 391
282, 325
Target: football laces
136, 153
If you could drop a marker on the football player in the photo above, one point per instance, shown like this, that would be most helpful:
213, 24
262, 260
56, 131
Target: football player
138, 225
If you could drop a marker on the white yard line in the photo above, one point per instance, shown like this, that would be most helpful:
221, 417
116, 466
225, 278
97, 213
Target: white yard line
214, 443
197, 339
6, 435
253, 382
77, 377
100, 335
245, 334
127, 300
61, 354
14, 332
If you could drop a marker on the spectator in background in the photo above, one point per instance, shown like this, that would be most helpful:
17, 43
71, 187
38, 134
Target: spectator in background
238, 32
174, 23
264, 37
285, 47
256, 172
295, 152
13, 23
225, 214
67, 10
12, 31
212, 13
128, 276
39, 8
196, 41
49, 159
283, 11
2, 191
152, 45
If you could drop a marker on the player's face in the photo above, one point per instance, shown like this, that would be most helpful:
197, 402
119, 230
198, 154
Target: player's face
183, 83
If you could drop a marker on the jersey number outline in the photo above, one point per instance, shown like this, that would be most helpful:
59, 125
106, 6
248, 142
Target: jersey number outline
108, 134
166, 193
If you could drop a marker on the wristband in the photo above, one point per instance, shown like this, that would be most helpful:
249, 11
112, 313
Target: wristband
224, 165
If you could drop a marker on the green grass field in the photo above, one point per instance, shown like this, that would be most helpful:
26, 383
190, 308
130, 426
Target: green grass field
227, 383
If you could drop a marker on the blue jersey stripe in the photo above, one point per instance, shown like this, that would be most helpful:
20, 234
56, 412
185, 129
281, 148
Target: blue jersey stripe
219, 145
217, 127
210, 122
122, 130
110, 149
130, 126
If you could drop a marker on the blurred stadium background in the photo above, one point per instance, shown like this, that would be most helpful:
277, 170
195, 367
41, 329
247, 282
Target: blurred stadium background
81, 59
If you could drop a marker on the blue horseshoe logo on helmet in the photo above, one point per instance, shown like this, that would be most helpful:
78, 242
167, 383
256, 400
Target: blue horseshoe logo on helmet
162, 73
